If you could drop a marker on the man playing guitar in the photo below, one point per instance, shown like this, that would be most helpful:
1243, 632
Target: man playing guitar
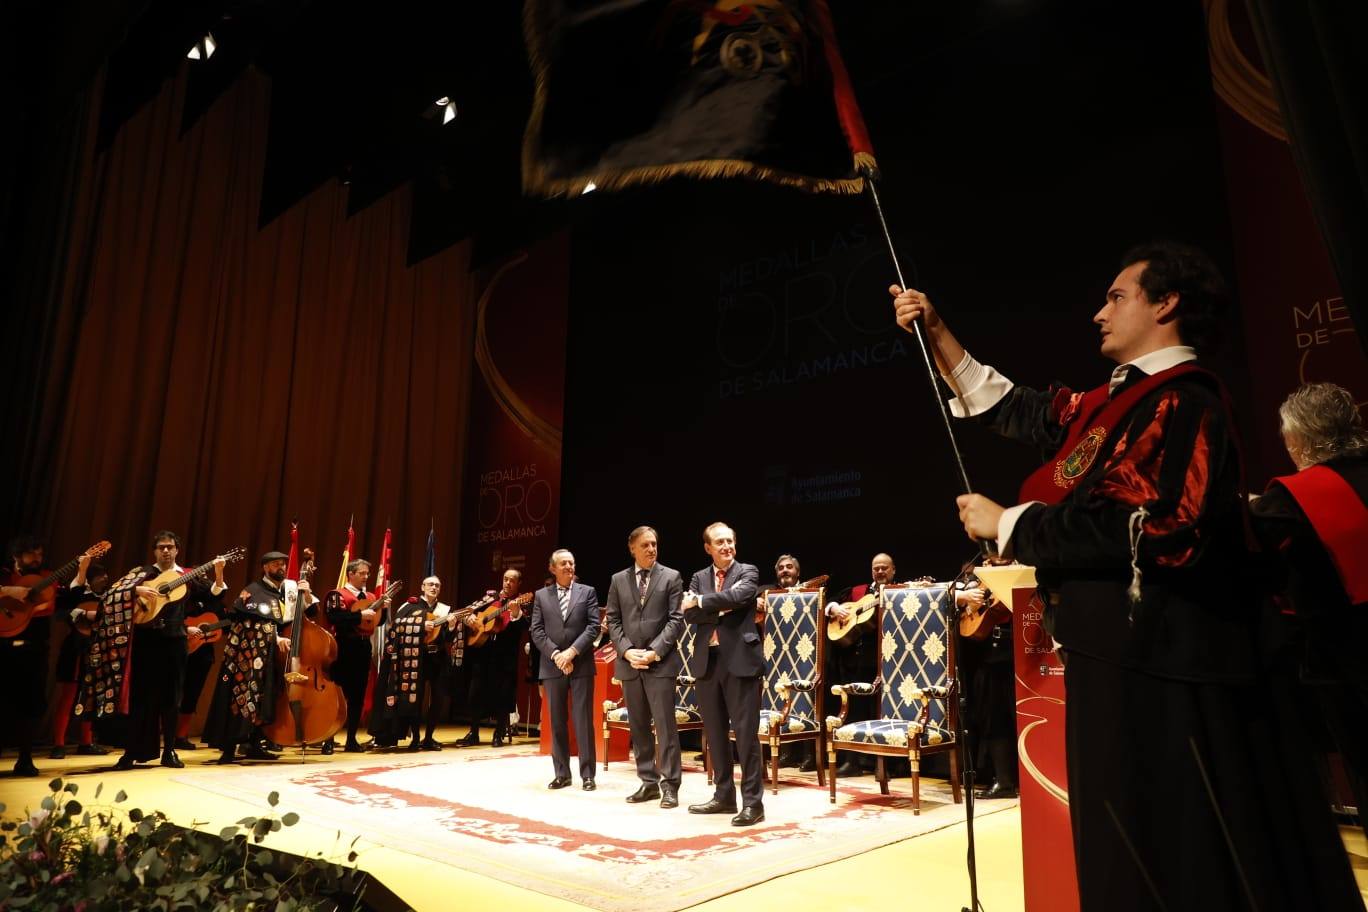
485, 672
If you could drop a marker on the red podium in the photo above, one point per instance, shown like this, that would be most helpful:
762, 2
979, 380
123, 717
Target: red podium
605, 688
1046, 836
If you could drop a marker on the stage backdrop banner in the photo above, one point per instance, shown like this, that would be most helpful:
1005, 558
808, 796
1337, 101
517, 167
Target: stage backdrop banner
513, 483
1297, 328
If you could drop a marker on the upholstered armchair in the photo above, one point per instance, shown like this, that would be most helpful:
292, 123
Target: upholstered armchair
792, 697
916, 689
687, 715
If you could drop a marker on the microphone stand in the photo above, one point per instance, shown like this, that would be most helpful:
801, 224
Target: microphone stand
967, 771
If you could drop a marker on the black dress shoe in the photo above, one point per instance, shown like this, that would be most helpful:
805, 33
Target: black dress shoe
24, 766
588, 785
999, 790
669, 798
431, 744
498, 741
328, 748
124, 763
713, 806
267, 744
185, 744
257, 752
91, 750
353, 746
648, 791
808, 766
415, 746
749, 816
472, 739
559, 782
171, 759
229, 755
57, 753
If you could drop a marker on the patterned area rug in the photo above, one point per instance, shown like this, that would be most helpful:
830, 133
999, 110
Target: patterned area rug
490, 812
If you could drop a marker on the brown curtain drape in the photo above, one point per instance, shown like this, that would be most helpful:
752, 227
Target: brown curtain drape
220, 379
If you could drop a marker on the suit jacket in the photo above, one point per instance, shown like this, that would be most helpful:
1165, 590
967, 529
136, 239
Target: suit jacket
738, 639
550, 634
656, 625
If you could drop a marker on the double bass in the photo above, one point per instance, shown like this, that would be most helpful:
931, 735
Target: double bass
310, 707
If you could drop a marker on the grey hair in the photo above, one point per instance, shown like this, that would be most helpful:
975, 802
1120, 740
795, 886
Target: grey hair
1323, 421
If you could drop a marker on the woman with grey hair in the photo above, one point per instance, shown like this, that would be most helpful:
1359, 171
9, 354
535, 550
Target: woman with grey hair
1316, 522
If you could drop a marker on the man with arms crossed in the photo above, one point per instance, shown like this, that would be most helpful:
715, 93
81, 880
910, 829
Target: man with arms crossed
721, 601
645, 623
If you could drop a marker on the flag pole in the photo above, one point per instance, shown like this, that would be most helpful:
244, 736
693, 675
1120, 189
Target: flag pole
917, 331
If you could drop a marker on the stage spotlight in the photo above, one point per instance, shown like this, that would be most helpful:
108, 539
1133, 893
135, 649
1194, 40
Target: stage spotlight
589, 188
204, 48
445, 107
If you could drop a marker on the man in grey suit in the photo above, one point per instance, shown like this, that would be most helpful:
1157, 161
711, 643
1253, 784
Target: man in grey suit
565, 621
645, 624
721, 601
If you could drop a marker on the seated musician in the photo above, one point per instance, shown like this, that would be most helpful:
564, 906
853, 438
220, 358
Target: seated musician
855, 658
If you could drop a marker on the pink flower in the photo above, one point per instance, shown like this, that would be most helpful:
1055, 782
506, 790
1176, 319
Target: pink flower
62, 878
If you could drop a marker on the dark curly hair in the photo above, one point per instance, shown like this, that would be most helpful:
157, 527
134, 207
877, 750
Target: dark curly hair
1174, 268
23, 543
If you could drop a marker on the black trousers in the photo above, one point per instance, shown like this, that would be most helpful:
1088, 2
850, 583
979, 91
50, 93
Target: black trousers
651, 698
351, 671
580, 713
154, 693
198, 664
1195, 795
477, 688
728, 704
23, 676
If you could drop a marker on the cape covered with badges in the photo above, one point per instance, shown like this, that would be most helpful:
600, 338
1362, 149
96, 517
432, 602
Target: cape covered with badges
109, 659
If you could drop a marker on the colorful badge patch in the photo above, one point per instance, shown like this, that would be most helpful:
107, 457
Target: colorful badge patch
1072, 467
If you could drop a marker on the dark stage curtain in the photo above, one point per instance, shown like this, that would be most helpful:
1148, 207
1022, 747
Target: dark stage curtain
193, 371
1314, 50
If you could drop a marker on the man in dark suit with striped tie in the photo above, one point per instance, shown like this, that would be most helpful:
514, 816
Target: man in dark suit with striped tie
645, 624
721, 601
565, 622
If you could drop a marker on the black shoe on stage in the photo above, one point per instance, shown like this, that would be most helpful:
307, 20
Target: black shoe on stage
669, 796
267, 744
257, 752
415, 746
999, 790
588, 785
170, 758
713, 806
472, 739
559, 782
431, 744
124, 763
808, 766
24, 766
91, 750
229, 755
328, 748
185, 744
649, 791
353, 747
749, 816
57, 753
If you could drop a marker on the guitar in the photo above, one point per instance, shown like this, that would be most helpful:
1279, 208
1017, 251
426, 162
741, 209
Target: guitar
478, 636
861, 613
15, 613
367, 627
211, 630
977, 623
172, 585
435, 623
762, 602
